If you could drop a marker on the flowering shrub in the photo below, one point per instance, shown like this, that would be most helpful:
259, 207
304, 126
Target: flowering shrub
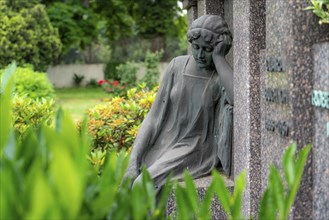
33, 101
114, 125
30, 113
114, 87
101, 82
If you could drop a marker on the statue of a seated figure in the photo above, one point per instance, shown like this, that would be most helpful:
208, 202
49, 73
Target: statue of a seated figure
189, 126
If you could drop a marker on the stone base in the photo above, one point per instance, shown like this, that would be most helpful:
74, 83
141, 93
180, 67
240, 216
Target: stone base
202, 186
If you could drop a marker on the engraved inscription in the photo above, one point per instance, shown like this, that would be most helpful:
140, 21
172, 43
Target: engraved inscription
277, 95
275, 64
281, 127
320, 99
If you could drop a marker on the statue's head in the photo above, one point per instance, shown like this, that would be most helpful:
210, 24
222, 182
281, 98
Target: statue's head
204, 34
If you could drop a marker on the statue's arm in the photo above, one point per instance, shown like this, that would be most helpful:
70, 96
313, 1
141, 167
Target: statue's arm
223, 68
152, 123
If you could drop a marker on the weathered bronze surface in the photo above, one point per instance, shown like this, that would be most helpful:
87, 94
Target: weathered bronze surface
189, 126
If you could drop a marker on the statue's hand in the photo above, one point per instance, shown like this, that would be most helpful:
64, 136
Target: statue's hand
223, 45
132, 172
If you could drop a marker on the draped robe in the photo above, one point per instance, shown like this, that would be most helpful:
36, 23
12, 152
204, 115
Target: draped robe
189, 126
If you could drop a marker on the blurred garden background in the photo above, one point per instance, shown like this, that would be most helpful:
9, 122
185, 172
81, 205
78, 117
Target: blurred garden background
126, 39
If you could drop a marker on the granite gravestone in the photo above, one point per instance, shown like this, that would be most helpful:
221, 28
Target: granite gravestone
281, 85
320, 104
280, 91
273, 84
290, 72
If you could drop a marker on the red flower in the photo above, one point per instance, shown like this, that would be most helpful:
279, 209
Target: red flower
115, 83
101, 82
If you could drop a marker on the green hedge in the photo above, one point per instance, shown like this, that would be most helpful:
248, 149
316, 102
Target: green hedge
31, 84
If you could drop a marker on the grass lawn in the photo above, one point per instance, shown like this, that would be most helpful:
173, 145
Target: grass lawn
77, 100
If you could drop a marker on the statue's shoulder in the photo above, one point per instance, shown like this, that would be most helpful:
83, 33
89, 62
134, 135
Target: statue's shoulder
180, 62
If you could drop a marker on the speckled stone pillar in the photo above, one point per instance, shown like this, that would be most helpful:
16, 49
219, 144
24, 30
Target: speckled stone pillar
249, 39
276, 78
291, 33
201, 7
210, 7
192, 13
321, 134
228, 16
304, 32
214, 7
197, 8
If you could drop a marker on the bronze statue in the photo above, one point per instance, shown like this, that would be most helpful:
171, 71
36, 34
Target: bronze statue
189, 125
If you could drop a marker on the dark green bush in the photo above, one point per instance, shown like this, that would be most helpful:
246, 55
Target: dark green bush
110, 72
27, 36
152, 75
77, 79
128, 73
92, 83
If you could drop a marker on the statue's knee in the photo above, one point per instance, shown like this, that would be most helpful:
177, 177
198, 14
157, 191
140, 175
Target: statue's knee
138, 180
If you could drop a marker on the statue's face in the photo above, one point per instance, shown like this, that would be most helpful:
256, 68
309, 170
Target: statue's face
202, 53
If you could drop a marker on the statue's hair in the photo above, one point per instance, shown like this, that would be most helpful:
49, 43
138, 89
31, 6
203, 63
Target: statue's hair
210, 28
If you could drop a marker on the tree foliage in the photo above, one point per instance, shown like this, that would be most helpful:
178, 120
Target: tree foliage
117, 15
76, 23
156, 17
145, 18
26, 35
160, 21
17, 5
133, 21
129, 27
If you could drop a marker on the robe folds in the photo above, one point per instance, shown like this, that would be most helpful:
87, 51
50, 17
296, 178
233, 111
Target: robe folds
189, 126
